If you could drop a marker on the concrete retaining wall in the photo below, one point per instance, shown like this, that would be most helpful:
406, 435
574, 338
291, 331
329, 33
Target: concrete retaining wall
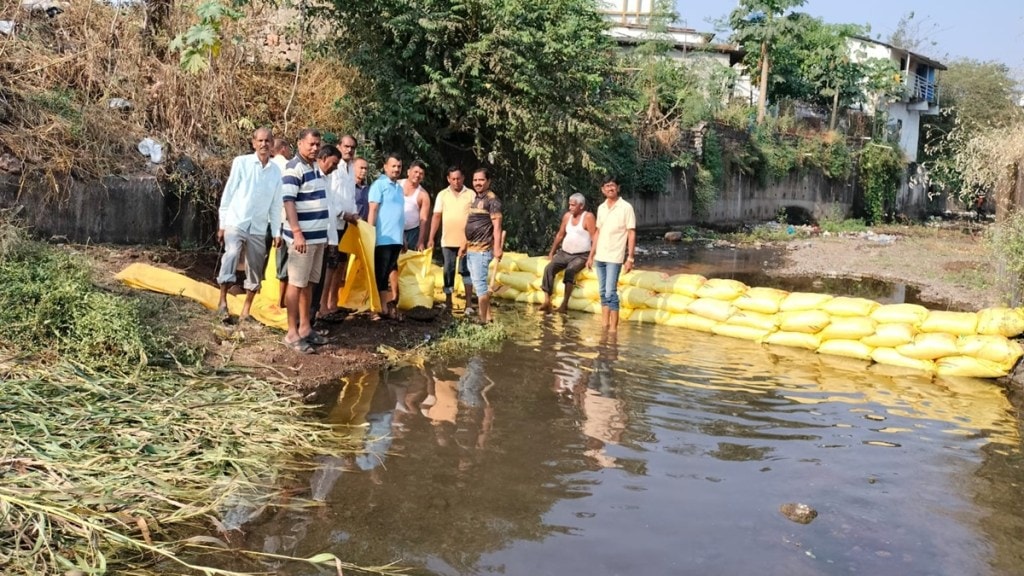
119, 210
743, 199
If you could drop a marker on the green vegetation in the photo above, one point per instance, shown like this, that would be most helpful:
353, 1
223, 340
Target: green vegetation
1006, 240
880, 169
53, 310
111, 460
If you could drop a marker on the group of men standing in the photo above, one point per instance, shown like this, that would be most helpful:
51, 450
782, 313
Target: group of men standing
307, 201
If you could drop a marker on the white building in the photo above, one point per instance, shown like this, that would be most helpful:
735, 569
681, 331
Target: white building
920, 94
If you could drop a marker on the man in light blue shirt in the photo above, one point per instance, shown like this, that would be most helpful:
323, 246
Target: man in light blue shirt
251, 202
387, 214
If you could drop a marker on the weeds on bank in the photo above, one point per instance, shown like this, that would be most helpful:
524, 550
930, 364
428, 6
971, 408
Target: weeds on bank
459, 339
109, 461
104, 473
52, 310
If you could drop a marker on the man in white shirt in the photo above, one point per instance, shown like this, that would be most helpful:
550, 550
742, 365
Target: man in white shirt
251, 202
282, 153
341, 198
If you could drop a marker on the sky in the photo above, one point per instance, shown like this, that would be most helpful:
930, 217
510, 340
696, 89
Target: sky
985, 30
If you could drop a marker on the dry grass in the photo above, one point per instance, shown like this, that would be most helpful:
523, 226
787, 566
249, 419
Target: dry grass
57, 76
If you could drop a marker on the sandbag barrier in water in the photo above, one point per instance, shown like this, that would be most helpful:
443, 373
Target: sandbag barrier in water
977, 344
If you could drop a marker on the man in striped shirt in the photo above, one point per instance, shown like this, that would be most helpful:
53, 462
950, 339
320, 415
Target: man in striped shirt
305, 206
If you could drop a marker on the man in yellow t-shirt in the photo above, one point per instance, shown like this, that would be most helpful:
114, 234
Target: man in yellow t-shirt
451, 209
613, 249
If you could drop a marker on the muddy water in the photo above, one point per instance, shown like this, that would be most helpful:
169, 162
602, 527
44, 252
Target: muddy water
662, 451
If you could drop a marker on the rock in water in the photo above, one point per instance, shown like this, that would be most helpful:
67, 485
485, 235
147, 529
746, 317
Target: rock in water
673, 236
797, 512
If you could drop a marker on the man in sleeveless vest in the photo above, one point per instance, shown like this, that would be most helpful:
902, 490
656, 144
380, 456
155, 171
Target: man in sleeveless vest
569, 251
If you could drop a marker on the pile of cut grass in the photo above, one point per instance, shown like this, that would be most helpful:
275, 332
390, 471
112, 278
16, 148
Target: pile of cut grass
109, 461
104, 474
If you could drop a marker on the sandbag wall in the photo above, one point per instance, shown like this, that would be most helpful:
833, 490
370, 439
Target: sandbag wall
906, 335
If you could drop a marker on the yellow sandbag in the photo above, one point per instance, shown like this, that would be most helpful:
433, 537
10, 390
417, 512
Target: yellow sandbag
690, 322
930, 346
1007, 322
519, 280
641, 279
588, 289
846, 306
741, 332
998, 349
586, 274
767, 322
438, 273
763, 300
810, 321
634, 297
899, 314
890, 335
411, 293
712, 308
506, 264
648, 316
797, 301
794, 340
534, 264
846, 348
892, 357
507, 293
674, 303
683, 284
624, 313
955, 323
722, 289
584, 305
155, 279
360, 290
968, 366
531, 297
848, 328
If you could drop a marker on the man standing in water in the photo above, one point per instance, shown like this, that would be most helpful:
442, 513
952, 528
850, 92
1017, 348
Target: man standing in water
613, 249
451, 209
483, 238
576, 235
251, 206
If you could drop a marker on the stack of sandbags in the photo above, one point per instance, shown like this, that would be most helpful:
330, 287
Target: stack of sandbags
905, 335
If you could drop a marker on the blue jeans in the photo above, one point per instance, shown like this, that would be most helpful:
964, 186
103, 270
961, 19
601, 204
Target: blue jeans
608, 283
478, 263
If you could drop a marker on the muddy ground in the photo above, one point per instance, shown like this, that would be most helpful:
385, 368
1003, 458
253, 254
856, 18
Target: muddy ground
950, 264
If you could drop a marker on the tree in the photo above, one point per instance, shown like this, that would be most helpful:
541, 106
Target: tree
760, 24
913, 35
977, 98
526, 85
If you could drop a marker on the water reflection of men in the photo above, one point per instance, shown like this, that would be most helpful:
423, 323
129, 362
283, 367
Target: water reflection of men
604, 415
475, 419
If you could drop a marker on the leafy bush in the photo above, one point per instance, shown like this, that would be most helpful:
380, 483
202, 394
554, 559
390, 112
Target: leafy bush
880, 170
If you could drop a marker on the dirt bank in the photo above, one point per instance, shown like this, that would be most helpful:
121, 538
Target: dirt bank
951, 265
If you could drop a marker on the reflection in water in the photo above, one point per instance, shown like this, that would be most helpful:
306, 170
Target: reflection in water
664, 452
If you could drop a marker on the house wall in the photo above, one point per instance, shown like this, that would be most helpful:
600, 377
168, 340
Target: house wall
909, 123
627, 11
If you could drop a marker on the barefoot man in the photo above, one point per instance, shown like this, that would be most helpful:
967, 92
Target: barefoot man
576, 235
613, 248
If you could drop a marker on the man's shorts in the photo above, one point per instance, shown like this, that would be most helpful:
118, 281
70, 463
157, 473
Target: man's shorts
304, 269
385, 261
